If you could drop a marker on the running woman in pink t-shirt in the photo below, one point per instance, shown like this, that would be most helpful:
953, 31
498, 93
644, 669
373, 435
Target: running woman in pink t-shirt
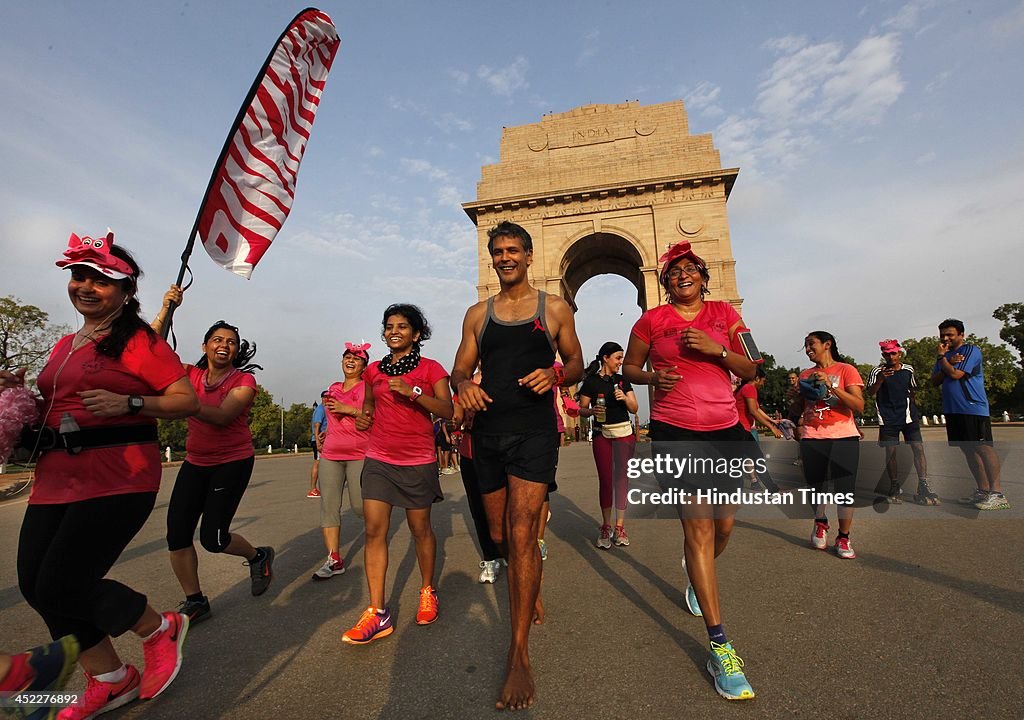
342, 451
218, 463
692, 346
400, 469
97, 478
830, 443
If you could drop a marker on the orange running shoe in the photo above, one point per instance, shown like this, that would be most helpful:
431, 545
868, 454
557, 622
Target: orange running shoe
428, 606
372, 626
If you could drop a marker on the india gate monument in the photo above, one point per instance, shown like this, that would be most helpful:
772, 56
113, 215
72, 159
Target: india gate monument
607, 189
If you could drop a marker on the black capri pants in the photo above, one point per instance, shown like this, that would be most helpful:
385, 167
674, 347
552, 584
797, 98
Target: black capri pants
211, 492
64, 554
837, 457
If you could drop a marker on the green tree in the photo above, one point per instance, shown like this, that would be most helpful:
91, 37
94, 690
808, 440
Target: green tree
172, 433
1012, 317
26, 335
265, 419
772, 397
298, 422
870, 413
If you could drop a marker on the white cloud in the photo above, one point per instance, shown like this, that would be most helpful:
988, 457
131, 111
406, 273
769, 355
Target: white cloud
865, 83
1010, 26
418, 166
507, 80
703, 99
449, 122
591, 45
461, 77
927, 158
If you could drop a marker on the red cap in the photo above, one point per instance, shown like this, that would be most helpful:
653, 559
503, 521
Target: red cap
677, 252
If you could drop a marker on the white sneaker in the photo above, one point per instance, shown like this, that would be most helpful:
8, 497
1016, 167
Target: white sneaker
819, 538
489, 571
604, 540
329, 569
993, 501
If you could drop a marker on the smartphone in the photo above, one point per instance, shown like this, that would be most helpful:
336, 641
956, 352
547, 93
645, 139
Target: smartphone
750, 347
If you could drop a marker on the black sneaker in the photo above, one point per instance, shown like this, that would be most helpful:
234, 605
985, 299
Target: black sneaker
260, 571
196, 610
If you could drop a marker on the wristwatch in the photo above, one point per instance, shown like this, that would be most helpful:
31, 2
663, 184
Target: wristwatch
135, 404
416, 392
725, 352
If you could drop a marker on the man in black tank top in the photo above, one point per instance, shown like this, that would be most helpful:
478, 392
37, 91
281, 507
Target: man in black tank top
514, 337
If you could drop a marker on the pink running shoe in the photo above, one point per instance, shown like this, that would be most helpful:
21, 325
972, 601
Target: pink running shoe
819, 538
163, 656
101, 697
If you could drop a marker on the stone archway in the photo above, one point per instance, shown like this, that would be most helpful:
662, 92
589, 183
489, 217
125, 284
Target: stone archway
607, 189
599, 254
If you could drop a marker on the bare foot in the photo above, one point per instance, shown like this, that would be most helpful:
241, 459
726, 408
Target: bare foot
518, 692
538, 611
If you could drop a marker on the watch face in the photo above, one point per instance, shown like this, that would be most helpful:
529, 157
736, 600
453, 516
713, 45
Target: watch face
135, 403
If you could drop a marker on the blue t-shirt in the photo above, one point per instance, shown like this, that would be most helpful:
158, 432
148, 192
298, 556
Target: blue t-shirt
967, 395
894, 401
319, 416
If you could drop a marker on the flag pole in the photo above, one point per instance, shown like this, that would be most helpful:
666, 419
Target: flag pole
165, 331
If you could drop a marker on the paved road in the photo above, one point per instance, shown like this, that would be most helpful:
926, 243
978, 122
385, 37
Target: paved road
925, 623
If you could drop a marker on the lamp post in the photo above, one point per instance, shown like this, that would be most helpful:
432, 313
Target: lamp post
282, 421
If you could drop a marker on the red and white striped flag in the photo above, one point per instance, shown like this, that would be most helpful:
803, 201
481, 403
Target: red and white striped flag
253, 184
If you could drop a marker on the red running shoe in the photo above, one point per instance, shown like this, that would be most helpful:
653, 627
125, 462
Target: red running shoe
314, 493
372, 625
101, 697
428, 606
163, 656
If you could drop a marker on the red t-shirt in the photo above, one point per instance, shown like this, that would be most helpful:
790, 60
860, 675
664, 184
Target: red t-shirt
207, 444
747, 391
343, 441
402, 433
826, 419
146, 367
702, 399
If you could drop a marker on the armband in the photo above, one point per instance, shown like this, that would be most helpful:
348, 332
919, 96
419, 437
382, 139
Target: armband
559, 375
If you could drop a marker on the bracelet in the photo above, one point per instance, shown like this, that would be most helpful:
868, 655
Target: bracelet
559, 375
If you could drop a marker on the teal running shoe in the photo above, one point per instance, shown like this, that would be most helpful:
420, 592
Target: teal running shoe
727, 669
691, 595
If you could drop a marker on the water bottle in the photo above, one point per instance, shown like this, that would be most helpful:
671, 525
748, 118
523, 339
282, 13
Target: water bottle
70, 434
599, 409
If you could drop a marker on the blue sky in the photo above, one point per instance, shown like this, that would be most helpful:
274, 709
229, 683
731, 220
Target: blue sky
881, 165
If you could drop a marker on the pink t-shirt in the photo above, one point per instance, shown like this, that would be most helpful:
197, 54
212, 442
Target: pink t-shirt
206, 444
702, 399
146, 367
824, 420
747, 391
343, 441
402, 433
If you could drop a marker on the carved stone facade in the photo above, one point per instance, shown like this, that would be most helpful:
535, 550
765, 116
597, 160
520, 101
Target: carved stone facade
607, 189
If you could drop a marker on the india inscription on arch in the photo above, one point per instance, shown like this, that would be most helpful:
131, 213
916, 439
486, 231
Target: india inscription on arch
607, 189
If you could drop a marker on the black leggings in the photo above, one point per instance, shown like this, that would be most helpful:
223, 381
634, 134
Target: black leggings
211, 492
837, 457
64, 554
488, 548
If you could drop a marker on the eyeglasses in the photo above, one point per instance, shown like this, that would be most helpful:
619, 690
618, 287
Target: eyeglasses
678, 272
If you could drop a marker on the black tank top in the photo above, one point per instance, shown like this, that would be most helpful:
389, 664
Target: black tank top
509, 351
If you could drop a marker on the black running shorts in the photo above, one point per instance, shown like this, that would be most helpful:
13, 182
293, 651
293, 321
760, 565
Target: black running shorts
530, 456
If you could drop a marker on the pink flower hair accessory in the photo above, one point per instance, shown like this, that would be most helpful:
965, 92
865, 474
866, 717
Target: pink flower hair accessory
17, 409
95, 253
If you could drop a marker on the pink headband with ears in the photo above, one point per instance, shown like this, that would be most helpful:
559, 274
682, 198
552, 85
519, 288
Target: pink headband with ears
95, 253
359, 350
